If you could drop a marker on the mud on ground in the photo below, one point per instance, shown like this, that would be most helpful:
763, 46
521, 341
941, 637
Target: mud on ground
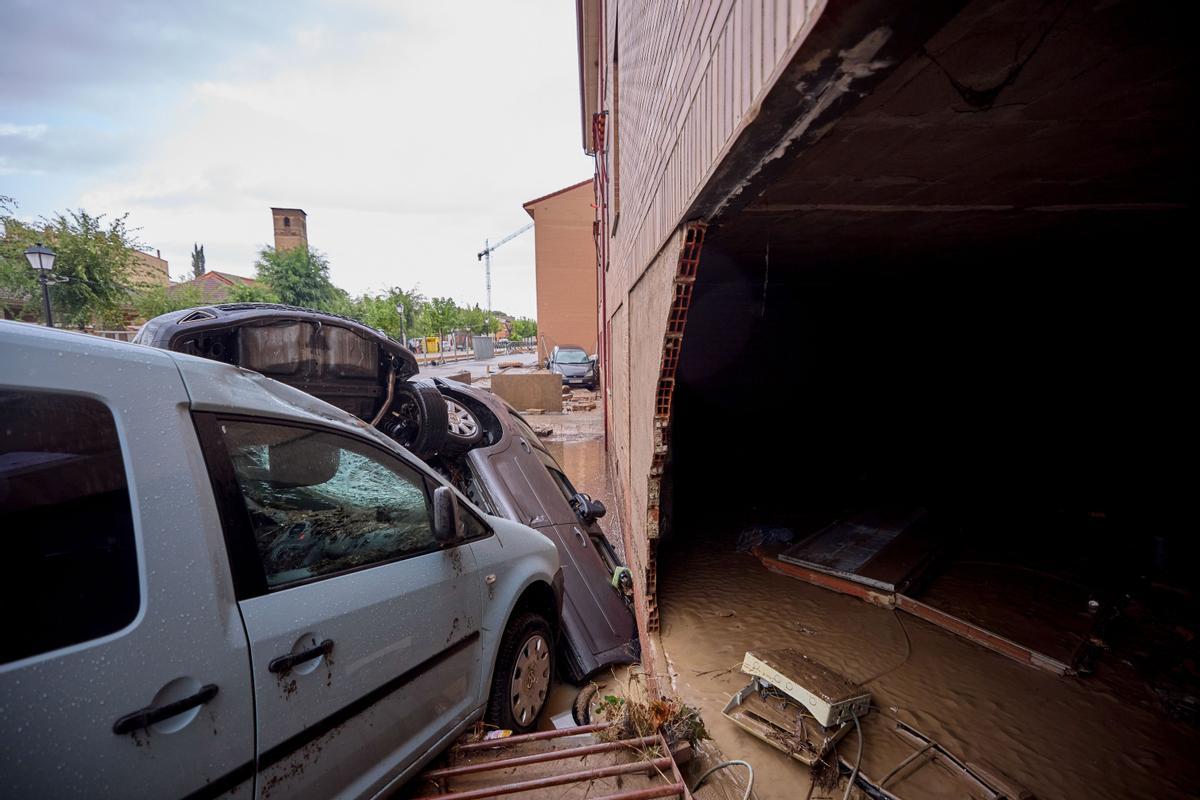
1058, 737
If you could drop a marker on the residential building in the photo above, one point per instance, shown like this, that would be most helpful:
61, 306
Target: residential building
214, 286
565, 257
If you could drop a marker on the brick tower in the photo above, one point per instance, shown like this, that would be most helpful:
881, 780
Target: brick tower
291, 228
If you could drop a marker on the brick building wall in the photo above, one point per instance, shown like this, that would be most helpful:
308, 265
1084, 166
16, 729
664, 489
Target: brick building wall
146, 270
291, 228
667, 88
565, 256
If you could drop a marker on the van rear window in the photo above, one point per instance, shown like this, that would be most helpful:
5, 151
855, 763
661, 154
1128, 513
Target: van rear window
65, 522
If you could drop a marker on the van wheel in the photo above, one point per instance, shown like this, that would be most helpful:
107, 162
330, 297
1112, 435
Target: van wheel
524, 666
418, 419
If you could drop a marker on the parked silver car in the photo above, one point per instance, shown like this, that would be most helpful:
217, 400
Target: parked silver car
219, 584
469, 435
575, 366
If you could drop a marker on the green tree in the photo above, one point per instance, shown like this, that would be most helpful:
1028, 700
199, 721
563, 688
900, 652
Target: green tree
93, 265
198, 267
442, 315
472, 318
258, 293
158, 300
300, 277
524, 328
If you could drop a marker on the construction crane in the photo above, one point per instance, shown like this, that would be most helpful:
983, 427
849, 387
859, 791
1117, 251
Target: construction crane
485, 255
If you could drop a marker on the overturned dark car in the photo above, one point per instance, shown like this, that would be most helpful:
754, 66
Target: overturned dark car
472, 437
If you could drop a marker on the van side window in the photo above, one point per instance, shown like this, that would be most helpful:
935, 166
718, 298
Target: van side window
70, 556
322, 504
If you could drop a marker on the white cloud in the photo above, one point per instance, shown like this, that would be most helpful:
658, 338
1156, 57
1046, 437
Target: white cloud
23, 131
408, 142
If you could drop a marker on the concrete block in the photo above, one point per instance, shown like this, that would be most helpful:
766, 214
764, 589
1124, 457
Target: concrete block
523, 390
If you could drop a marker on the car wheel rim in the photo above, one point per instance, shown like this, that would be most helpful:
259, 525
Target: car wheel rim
462, 423
530, 680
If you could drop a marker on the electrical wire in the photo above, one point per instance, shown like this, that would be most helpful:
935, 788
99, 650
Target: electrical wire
723, 764
857, 760
903, 661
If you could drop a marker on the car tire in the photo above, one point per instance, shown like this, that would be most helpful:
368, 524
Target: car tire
581, 709
418, 418
464, 429
524, 669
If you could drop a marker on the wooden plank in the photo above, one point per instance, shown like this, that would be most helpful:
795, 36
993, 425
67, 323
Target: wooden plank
980, 636
840, 585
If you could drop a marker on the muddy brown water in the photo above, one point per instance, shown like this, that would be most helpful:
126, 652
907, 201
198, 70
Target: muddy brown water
1058, 737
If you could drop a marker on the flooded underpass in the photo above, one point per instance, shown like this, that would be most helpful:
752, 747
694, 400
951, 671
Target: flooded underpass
1058, 737
941, 475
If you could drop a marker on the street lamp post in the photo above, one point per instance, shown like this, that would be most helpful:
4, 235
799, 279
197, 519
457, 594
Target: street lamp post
41, 258
403, 333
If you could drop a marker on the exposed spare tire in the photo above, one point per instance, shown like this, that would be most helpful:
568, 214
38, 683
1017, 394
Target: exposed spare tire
465, 430
417, 418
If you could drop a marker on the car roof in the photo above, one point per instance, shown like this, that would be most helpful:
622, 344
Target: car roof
211, 385
569, 347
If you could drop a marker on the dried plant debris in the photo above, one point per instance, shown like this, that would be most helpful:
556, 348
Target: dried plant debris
632, 718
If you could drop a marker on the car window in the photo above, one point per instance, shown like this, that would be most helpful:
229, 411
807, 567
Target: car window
70, 556
571, 357
322, 504
561, 481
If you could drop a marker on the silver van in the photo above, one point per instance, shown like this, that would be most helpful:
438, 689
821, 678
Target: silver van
221, 585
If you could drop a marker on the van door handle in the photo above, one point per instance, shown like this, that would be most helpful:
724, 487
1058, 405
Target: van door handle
285, 663
149, 715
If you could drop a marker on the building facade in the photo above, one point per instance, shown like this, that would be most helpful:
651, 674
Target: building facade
763, 164
565, 256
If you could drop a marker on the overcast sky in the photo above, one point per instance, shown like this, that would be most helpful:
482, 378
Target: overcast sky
409, 131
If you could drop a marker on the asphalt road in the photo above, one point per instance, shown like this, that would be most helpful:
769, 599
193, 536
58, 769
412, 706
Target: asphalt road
477, 368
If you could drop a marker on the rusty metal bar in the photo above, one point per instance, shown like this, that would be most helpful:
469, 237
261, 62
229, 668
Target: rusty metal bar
669, 790
488, 744
674, 767
555, 780
538, 758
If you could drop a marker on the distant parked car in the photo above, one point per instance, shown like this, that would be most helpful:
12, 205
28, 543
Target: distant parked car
218, 582
575, 366
467, 434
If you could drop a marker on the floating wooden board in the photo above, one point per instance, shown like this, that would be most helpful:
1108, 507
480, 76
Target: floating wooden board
886, 551
946, 621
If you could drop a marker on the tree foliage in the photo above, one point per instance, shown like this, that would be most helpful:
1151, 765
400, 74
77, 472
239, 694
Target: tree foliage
198, 267
300, 277
159, 300
93, 265
257, 293
442, 315
524, 328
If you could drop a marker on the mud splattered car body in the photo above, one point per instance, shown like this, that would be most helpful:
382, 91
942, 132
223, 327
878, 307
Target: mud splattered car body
482, 445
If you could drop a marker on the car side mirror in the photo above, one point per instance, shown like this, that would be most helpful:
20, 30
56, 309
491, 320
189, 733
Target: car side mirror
445, 515
586, 508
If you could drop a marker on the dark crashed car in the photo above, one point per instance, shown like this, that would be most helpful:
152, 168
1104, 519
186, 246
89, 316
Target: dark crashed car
468, 434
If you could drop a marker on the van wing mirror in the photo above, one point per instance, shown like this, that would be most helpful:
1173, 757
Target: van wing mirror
445, 515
